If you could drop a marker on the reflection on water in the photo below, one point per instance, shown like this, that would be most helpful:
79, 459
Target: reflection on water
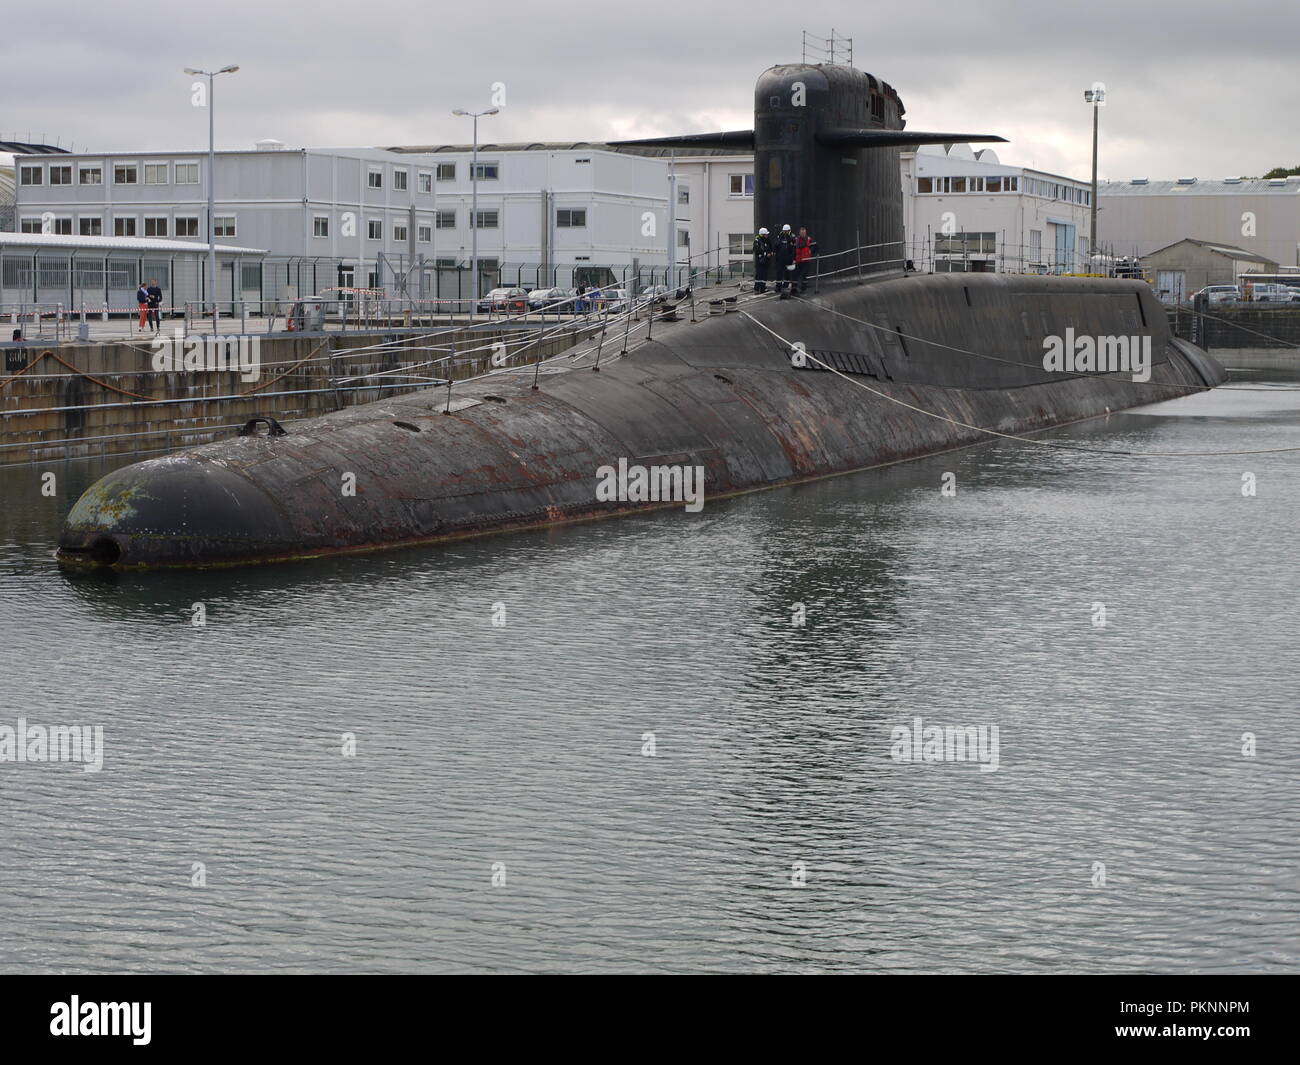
519, 749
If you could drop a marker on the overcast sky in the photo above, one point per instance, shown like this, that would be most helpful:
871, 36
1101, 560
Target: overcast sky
1197, 87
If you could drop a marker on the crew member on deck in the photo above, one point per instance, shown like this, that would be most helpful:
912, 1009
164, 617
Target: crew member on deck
762, 260
784, 253
804, 249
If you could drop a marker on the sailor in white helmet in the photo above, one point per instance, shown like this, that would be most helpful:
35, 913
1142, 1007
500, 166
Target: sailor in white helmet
762, 260
784, 252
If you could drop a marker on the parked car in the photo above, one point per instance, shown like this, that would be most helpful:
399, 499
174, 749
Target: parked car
656, 293
1219, 293
613, 300
504, 299
560, 299
1274, 294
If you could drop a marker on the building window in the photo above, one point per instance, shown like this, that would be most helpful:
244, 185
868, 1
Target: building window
124, 227
424, 181
957, 184
924, 184
993, 184
125, 174
738, 243
88, 274
683, 238
571, 218
446, 171
485, 171
90, 175
1036, 245
155, 173
741, 184
424, 233
1012, 184
29, 225
17, 273
187, 173
224, 225
444, 219
320, 225
966, 244
52, 274
683, 194
61, 226
91, 227
486, 219
375, 229
155, 227
399, 233
60, 175
399, 180
31, 175
376, 179
121, 275
187, 227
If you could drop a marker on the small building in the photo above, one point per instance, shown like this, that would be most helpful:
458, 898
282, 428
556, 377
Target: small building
1188, 265
53, 270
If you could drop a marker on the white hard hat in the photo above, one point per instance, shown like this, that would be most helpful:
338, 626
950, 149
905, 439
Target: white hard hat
762, 232
785, 228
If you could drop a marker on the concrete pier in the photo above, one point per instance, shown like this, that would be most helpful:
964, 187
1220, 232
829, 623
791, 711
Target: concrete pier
79, 400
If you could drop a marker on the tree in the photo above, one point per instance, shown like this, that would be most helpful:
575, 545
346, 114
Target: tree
1281, 171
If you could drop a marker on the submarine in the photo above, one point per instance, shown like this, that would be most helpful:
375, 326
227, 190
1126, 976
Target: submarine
879, 365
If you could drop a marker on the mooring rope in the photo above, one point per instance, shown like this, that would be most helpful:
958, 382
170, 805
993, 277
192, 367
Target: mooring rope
1008, 436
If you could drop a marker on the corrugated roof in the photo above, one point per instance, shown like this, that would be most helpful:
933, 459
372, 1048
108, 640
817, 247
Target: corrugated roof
1230, 250
27, 148
1202, 187
559, 146
59, 240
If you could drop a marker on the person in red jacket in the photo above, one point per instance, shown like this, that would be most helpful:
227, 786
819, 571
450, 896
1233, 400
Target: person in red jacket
804, 249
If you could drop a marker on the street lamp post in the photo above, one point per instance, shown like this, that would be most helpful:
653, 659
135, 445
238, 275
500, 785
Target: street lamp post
212, 180
1096, 97
473, 216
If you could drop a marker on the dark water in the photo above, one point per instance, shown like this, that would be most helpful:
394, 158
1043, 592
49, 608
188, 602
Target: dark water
522, 745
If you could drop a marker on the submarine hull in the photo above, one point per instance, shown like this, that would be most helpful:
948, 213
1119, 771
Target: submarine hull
919, 361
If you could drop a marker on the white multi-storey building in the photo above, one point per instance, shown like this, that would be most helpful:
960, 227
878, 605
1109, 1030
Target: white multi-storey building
363, 217
966, 210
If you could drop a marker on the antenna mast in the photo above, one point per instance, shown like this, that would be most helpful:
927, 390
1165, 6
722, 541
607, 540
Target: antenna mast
833, 50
